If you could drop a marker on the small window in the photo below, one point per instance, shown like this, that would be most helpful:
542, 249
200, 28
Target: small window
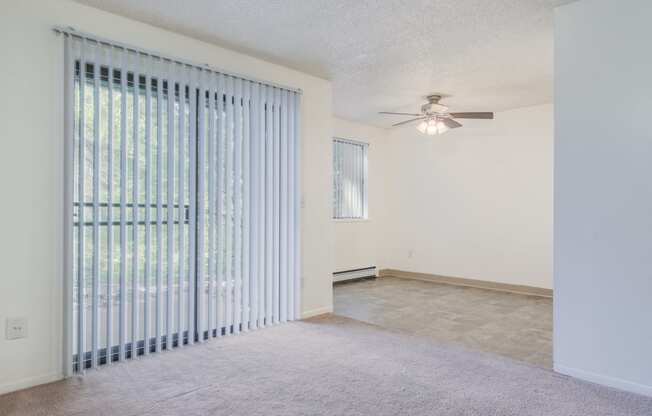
349, 179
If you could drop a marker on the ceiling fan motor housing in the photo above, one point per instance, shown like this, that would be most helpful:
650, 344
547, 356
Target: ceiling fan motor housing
433, 106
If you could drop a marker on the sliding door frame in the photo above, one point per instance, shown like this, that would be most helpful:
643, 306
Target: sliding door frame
270, 131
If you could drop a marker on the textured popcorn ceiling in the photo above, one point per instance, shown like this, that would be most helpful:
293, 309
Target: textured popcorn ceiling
489, 55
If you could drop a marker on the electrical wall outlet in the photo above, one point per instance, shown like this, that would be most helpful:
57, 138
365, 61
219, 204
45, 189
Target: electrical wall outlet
16, 328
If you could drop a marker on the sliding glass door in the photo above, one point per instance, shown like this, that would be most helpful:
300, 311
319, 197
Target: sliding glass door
183, 203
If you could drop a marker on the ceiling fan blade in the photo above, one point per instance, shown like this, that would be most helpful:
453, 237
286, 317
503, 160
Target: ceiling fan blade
478, 115
450, 123
408, 121
400, 114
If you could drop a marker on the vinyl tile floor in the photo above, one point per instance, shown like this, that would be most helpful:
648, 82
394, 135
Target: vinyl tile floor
512, 325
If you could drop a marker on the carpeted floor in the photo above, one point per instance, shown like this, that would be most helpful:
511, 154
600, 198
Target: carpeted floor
323, 366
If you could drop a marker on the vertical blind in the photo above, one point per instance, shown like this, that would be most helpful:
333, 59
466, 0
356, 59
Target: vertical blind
182, 202
349, 179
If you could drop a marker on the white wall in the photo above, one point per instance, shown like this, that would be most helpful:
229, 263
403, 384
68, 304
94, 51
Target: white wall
357, 243
475, 202
31, 166
603, 192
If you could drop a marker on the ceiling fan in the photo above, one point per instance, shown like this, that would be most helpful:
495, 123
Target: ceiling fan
435, 119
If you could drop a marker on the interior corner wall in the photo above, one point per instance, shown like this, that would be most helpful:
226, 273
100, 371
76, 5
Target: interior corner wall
357, 242
603, 193
475, 202
31, 170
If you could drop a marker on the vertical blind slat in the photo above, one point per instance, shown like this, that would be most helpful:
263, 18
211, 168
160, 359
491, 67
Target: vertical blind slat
353, 175
349, 180
297, 207
269, 204
357, 178
109, 214
276, 201
260, 140
81, 267
170, 208
159, 207
211, 218
148, 205
346, 160
335, 181
216, 116
123, 210
344, 190
363, 179
228, 196
352, 181
342, 166
246, 136
283, 220
135, 282
181, 211
254, 203
290, 207
221, 232
192, 217
95, 327
237, 206
339, 180
201, 201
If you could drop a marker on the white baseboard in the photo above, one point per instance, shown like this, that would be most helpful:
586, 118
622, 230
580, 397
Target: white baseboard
462, 281
614, 382
29, 382
315, 312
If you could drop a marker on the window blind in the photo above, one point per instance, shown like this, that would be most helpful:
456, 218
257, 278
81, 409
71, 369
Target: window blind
349, 179
182, 203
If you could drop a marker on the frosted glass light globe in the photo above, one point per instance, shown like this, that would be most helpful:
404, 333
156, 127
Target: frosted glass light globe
432, 129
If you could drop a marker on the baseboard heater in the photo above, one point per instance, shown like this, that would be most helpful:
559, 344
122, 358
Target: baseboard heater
354, 274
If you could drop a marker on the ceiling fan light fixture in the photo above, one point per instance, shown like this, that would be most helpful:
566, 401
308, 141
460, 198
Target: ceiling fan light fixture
432, 127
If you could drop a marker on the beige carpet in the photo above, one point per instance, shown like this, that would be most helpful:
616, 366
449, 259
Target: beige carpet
325, 366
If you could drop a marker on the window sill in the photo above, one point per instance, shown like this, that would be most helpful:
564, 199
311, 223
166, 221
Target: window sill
348, 220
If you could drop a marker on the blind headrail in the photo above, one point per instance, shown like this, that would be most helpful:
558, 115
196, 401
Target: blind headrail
351, 141
70, 31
